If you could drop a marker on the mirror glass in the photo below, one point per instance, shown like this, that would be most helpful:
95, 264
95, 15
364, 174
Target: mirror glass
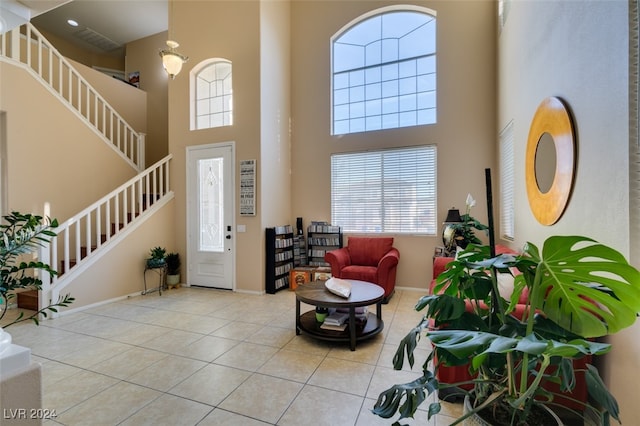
545, 162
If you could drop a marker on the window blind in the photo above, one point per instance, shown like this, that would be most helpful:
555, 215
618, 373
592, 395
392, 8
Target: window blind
507, 213
386, 191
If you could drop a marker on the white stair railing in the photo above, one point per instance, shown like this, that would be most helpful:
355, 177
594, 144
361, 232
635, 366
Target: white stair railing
81, 238
63, 80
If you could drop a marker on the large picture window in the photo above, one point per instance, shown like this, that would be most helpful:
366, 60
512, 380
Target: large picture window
387, 191
384, 71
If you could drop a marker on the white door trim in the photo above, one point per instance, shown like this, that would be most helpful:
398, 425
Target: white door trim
189, 214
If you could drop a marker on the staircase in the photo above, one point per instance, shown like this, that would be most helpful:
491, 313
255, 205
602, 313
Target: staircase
86, 236
82, 239
26, 47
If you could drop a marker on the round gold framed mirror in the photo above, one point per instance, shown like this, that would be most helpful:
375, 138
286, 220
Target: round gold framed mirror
550, 161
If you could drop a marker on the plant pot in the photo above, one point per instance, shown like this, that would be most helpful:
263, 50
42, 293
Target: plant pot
155, 263
547, 417
173, 280
321, 314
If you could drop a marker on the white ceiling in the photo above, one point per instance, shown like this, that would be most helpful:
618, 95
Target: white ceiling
119, 21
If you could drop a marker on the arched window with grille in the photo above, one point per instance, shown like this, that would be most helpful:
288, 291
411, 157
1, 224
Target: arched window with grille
384, 70
211, 94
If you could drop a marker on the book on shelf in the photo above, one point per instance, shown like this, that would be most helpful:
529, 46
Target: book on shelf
285, 229
323, 227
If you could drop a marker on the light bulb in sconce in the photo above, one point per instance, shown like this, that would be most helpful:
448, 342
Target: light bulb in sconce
171, 60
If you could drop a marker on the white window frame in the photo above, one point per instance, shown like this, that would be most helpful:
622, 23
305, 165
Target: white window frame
390, 191
193, 83
420, 96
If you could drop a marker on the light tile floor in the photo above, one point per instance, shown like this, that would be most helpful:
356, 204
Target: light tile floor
210, 357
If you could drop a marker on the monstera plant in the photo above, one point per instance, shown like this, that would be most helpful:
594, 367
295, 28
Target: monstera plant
20, 236
576, 291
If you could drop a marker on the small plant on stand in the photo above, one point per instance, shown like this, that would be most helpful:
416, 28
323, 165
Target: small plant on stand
157, 257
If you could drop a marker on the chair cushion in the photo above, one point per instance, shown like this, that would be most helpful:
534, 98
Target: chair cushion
368, 251
360, 273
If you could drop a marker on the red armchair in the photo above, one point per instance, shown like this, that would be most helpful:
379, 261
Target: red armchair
374, 260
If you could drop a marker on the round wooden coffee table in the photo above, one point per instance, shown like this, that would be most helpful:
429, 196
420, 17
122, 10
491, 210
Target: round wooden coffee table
362, 294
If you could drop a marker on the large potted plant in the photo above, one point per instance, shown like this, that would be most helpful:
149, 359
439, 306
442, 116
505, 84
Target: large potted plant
20, 236
576, 291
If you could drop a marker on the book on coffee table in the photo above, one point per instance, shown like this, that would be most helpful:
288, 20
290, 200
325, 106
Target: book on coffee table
337, 318
326, 326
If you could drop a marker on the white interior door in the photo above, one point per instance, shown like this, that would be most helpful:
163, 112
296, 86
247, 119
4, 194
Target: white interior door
210, 215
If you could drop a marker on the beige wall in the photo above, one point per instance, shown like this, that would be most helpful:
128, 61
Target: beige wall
465, 132
229, 30
128, 101
540, 55
90, 59
596, 91
142, 55
120, 271
275, 146
466, 113
578, 51
52, 156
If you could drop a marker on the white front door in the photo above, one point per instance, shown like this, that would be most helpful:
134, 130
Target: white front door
210, 215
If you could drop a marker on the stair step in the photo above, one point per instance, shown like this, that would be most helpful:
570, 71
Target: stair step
28, 300
72, 263
83, 254
113, 227
149, 199
103, 237
83, 251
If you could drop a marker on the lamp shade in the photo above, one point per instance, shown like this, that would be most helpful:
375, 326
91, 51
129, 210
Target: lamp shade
453, 215
171, 60
172, 63
450, 232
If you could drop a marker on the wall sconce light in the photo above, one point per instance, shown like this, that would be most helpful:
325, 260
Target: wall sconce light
171, 60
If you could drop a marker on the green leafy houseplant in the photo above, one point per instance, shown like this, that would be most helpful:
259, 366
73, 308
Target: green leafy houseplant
173, 263
173, 269
157, 257
21, 235
576, 290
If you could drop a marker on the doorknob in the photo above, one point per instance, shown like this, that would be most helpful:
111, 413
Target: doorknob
228, 237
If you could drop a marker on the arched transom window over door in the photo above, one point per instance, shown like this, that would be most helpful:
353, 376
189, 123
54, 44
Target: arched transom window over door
384, 70
211, 94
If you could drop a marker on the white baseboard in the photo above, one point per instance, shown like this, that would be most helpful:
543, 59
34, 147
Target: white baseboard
417, 289
94, 305
256, 293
